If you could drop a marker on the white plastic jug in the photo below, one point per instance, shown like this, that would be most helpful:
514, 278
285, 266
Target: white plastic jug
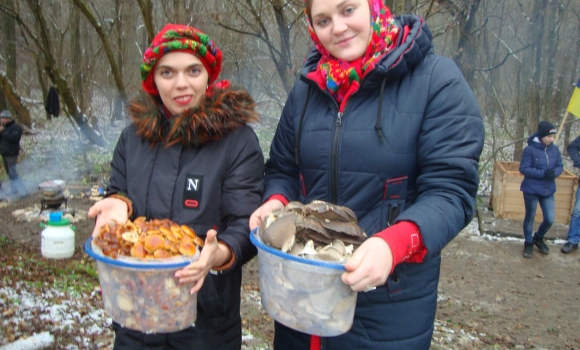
58, 237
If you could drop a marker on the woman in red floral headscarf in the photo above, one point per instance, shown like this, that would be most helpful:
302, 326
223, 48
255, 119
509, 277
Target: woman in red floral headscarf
380, 124
189, 156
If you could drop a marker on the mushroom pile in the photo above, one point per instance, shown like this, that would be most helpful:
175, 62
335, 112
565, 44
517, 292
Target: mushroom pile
154, 239
318, 230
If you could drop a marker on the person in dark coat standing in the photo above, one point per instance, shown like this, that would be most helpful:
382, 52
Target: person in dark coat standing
574, 229
189, 156
541, 164
380, 124
10, 134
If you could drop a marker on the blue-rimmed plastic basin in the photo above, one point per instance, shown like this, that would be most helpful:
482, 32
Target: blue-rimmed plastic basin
144, 295
306, 295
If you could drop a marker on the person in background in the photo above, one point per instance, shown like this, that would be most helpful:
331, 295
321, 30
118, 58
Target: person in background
10, 134
574, 229
380, 124
189, 156
541, 164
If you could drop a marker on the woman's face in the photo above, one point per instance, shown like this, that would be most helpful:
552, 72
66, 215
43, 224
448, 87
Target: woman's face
181, 80
342, 26
547, 140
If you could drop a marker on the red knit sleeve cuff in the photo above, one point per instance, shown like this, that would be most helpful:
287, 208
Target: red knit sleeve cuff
279, 197
405, 241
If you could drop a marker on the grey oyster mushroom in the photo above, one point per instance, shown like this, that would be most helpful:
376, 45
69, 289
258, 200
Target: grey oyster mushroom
328, 211
312, 231
294, 206
280, 234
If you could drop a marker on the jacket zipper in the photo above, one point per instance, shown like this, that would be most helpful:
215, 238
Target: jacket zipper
335, 140
334, 159
547, 162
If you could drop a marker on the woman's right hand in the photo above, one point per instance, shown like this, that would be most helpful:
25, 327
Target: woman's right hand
108, 210
261, 212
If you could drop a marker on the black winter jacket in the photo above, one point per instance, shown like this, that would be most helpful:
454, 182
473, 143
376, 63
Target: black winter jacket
406, 148
210, 176
10, 139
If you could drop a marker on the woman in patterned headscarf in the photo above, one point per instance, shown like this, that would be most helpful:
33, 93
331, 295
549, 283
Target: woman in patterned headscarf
189, 156
380, 124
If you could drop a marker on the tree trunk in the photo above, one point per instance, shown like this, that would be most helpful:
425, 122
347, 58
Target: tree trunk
21, 113
116, 71
538, 23
548, 93
146, 8
9, 31
397, 7
520, 120
466, 50
118, 101
180, 15
256, 22
284, 64
77, 60
41, 82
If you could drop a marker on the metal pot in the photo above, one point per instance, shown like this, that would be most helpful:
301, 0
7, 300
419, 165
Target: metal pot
52, 188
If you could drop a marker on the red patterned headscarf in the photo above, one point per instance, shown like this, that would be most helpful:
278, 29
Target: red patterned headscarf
342, 78
180, 38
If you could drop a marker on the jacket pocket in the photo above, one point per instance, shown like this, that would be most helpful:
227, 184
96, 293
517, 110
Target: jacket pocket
216, 301
397, 281
394, 196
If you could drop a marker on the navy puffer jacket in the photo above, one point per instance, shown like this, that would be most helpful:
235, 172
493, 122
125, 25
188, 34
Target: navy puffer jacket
406, 148
574, 152
536, 159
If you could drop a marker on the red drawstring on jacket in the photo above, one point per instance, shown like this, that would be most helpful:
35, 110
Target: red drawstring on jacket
314, 342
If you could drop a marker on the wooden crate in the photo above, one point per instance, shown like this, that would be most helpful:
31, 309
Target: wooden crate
507, 201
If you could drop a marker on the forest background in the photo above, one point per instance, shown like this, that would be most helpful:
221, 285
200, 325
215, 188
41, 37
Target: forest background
521, 58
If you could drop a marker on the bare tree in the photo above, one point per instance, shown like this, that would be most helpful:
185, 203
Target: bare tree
77, 63
44, 43
272, 24
8, 90
146, 8
103, 36
9, 31
464, 13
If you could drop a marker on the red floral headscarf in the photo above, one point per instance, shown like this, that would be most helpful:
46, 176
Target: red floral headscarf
342, 78
180, 38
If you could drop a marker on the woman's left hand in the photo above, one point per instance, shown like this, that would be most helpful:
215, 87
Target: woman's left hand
213, 254
369, 266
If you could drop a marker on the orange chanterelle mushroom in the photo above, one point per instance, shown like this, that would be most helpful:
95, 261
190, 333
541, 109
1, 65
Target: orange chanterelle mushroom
154, 239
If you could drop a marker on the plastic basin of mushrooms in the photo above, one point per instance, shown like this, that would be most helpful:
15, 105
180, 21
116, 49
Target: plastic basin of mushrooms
137, 263
302, 250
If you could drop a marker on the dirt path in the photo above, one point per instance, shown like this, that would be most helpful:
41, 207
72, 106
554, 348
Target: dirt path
489, 287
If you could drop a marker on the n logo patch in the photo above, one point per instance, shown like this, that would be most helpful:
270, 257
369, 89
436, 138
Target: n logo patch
192, 191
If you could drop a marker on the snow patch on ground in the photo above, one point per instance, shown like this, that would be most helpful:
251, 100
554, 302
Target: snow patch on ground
57, 311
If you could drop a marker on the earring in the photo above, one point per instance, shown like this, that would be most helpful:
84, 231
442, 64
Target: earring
207, 87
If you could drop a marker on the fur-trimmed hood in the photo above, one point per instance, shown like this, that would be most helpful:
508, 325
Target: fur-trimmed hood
219, 113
